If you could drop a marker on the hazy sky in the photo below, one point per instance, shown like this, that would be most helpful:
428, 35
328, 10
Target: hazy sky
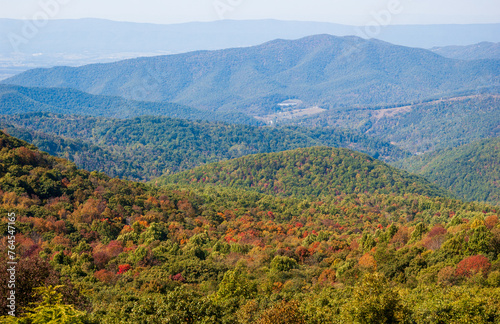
356, 12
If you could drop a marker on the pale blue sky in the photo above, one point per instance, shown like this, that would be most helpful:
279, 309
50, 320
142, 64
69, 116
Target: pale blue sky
355, 12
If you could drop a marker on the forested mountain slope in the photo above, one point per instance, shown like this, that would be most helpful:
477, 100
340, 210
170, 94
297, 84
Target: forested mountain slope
20, 100
128, 251
470, 171
147, 147
479, 51
422, 127
321, 70
316, 172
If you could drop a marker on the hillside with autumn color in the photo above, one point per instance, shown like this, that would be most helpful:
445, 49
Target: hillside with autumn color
315, 171
134, 253
145, 148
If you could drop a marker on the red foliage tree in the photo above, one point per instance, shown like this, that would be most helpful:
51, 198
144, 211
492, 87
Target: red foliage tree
401, 237
327, 277
435, 238
105, 276
436, 230
491, 221
101, 259
122, 268
473, 265
177, 277
60, 227
302, 253
114, 248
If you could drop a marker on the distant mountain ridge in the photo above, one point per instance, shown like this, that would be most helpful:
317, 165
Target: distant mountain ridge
84, 41
480, 51
79, 34
320, 70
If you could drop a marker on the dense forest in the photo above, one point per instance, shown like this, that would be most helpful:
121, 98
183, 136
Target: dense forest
161, 197
20, 100
471, 171
144, 148
99, 250
422, 127
315, 172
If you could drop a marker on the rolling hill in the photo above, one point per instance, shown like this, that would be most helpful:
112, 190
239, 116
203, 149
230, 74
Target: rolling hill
471, 171
20, 100
143, 148
320, 70
99, 247
316, 172
421, 127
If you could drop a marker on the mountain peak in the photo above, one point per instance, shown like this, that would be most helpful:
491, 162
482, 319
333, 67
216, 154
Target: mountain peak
321, 70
